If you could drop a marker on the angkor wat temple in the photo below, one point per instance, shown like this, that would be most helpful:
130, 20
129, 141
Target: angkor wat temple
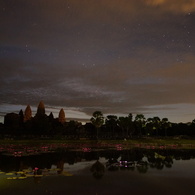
23, 117
26, 125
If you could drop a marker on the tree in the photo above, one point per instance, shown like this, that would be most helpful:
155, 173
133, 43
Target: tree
111, 123
156, 124
140, 122
149, 126
126, 124
97, 120
165, 124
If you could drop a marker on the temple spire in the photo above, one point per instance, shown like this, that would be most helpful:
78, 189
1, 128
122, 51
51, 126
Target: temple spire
41, 109
27, 113
61, 117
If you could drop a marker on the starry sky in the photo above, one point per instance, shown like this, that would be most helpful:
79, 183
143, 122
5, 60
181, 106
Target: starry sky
116, 56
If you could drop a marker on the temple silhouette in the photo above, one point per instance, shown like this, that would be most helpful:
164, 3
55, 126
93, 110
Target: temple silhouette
15, 119
25, 125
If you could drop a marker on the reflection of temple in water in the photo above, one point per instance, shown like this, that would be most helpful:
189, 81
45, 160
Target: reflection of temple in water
97, 169
133, 160
97, 163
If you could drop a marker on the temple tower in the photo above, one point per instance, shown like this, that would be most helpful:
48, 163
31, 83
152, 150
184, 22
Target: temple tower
61, 117
41, 109
27, 113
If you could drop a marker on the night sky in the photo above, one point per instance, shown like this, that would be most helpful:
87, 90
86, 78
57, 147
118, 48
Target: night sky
116, 56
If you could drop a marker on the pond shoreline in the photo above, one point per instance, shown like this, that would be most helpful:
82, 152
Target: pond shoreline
142, 142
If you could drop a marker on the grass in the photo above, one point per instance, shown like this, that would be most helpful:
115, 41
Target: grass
183, 143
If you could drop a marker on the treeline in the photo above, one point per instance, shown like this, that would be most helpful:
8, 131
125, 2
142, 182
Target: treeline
139, 126
23, 125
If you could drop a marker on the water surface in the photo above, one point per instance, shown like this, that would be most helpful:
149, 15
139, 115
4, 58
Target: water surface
86, 169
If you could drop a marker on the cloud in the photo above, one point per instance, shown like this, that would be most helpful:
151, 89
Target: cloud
180, 72
111, 55
44, 14
175, 6
125, 85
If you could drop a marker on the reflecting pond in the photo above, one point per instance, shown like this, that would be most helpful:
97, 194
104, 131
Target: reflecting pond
92, 169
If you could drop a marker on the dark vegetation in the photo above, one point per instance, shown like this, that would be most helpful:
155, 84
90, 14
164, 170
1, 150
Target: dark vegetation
24, 126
